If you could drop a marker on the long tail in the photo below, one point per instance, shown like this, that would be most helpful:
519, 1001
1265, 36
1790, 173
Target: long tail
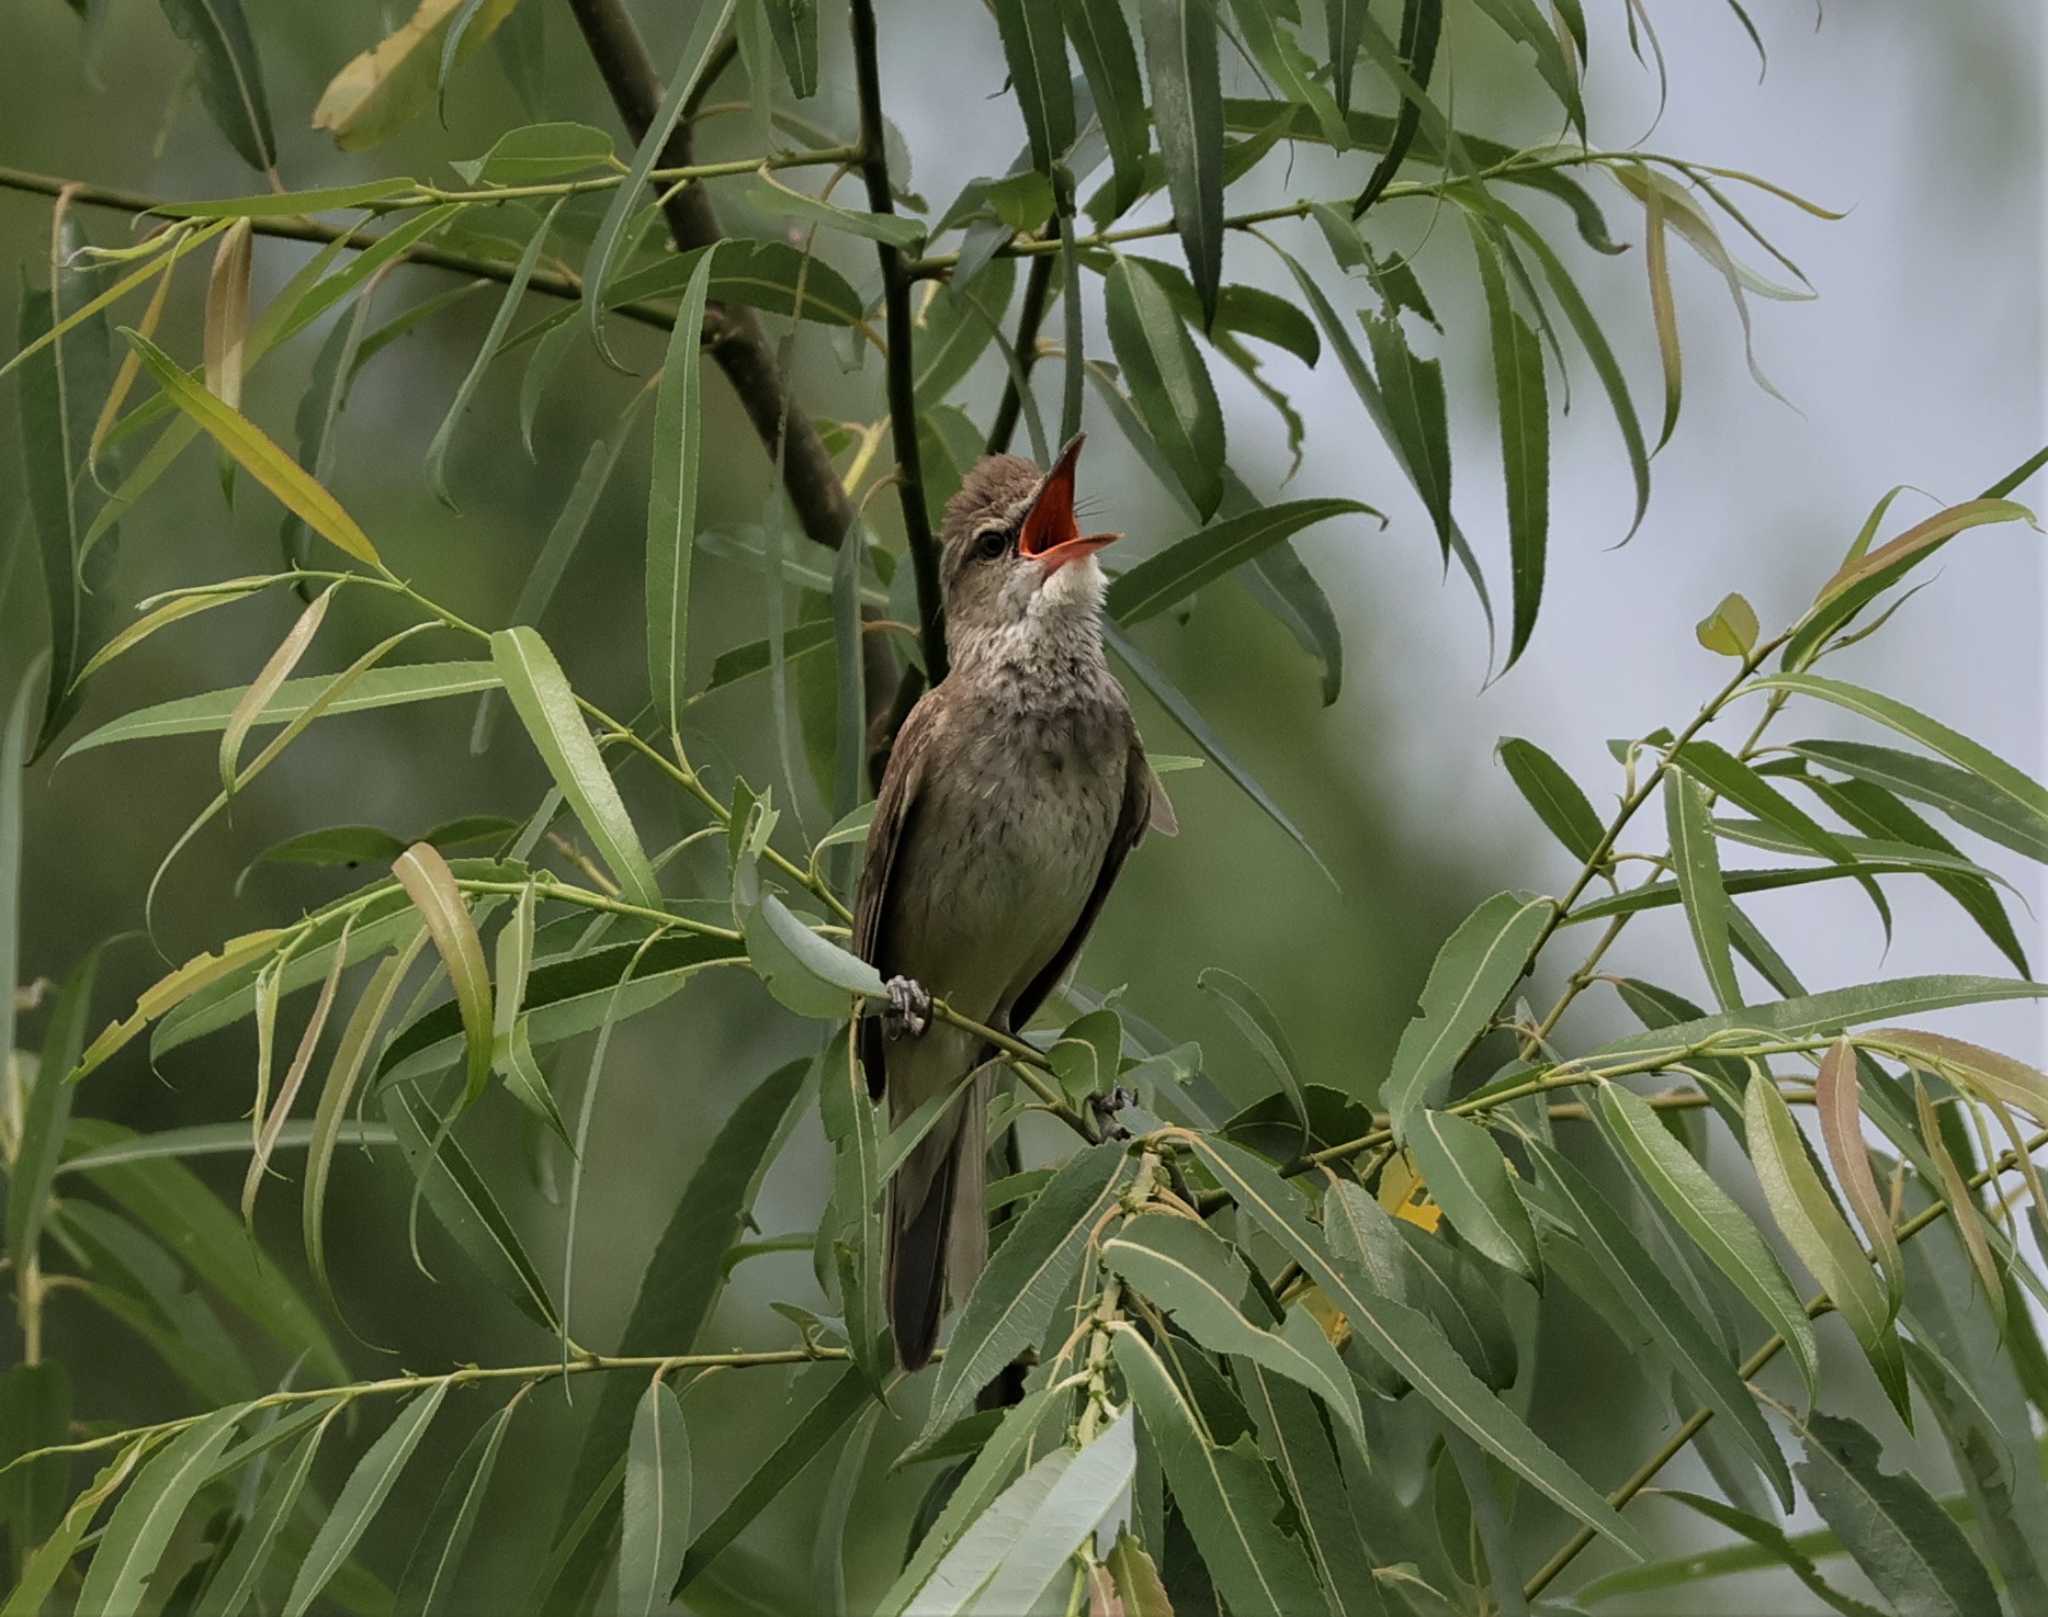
938, 1241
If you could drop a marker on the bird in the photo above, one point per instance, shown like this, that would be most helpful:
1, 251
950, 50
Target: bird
1015, 791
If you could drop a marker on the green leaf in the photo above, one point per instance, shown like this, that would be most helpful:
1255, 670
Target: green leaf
1730, 629
207, 1140
1187, 110
545, 704
672, 500
1899, 1536
1189, 1270
1013, 1303
655, 1519
515, 293
1524, 24
1037, 58
168, 1199
1969, 800
1292, 1437
1409, 1342
1171, 575
437, 1556
1696, 865
1422, 23
1412, 391
833, 1411
139, 1531
1225, 1494
1283, 62
375, 688
1378, 408
767, 275
2019, 797
428, 881
1553, 794
1033, 1539
361, 1497
954, 334
462, 1201
1525, 437
48, 1112
1102, 40
1263, 1031
794, 24
1168, 382
685, 1273
1287, 589
609, 247
1963, 1208
1772, 1549
768, 195
1468, 1178
228, 74
235, 1582
1649, 1297
1805, 1211
1700, 1207
538, 152
1475, 971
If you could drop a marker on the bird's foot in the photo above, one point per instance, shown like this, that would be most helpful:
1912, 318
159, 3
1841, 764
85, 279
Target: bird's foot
1108, 1107
909, 1010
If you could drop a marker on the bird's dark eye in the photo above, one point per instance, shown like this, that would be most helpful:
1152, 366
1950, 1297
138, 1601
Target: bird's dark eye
991, 544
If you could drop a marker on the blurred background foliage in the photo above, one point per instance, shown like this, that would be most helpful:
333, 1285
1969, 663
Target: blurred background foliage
1921, 362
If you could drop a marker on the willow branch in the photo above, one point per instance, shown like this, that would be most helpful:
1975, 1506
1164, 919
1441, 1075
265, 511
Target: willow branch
736, 340
874, 167
587, 1364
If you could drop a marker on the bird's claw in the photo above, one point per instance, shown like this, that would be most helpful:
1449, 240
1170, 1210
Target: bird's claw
1107, 1107
909, 1010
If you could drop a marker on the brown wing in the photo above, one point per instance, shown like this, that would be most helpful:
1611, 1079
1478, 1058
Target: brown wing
1132, 818
895, 809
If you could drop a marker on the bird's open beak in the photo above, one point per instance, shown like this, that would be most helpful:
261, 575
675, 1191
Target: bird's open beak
1050, 536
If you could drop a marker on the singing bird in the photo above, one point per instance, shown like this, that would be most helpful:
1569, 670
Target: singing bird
1013, 794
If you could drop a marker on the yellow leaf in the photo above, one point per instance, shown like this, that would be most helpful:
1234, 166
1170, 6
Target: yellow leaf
1730, 629
1335, 1322
1403, 1193
387, 85
168, 992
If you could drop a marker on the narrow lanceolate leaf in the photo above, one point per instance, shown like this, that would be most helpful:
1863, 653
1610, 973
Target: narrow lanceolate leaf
1474, 973
1663, 310
2018, 794
1225, 1495
1422, 23
228, 74
172, 990
48, 1111
268, 1120
131, 362
428, 881
1553, 794
1891, 1524
1280, 58
1524, 437
1168, 381
437, 1557
382, 89
672, 500
545, 704
1161, 581
501, 322
360, 1499
227, 315
1700, 1207
610, 246
1012, 1303
257, 454
1965, 798
1037, 58
184, 604
794, 25
1036, 1547
265, 685
1293, 1439
1343, 23
1413, 390
235, 1583
337, 1092
1468, 1178
1649, 1297
1264, 1032
1963, 1208
1806, 1213
139, 1531
1996, 1078
1102, 40
1838, 1097
1696, 863
1408, 1342
1187, 109
1192, 1273
655, 1519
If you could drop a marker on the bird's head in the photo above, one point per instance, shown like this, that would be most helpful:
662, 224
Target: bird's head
1014, 562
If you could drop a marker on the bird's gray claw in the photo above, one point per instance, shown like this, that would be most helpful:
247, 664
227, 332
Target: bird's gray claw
909, 1010
1107, 1107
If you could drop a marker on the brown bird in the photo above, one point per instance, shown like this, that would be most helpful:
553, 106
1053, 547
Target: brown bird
1013, 794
